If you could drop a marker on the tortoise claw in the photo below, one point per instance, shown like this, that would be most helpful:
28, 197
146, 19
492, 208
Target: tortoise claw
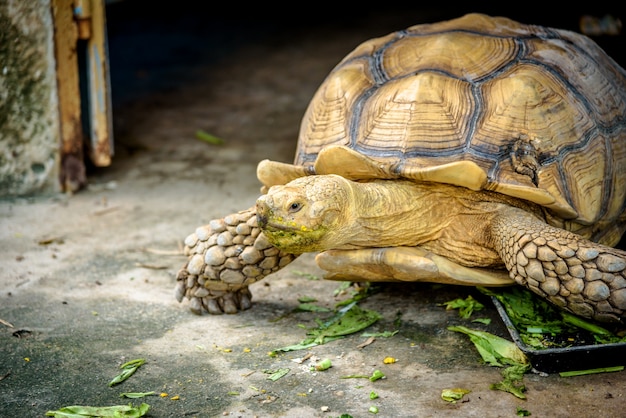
213, 307
222, 302
228, 303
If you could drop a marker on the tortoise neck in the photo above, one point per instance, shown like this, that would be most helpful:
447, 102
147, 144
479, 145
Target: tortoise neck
396, 213
448, 220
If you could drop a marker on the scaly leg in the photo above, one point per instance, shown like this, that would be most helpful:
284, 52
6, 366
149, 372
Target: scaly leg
225, 257
581, 276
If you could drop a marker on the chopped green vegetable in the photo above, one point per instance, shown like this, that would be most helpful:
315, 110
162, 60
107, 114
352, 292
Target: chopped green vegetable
77, 411
355, 376
343, 287
135, 395
309, 307
522, 412
513, 380
128, 369
497, 351
484, 321
376, 375
579, 322
207, 137
494, 350
276, 374
453, 395
323, 365
373, 395
348, 320
465, 306
534, 330
373, 409
307, 299
303, 345
358, 292
540, 325
591, 371
384, 334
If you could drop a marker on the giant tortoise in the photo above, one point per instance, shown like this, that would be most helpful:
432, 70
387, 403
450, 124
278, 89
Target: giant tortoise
477, 151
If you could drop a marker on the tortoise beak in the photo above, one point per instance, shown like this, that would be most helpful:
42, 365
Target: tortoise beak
263, 211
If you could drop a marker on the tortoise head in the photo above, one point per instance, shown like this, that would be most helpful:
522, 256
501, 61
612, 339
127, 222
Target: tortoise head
307, 214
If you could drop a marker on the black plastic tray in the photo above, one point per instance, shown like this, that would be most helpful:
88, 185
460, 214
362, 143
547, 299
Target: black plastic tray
554, 360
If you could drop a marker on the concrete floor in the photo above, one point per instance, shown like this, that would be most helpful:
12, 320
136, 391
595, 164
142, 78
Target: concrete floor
87, 280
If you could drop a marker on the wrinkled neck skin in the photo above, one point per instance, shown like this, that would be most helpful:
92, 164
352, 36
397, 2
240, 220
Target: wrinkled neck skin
389, 213
448, 220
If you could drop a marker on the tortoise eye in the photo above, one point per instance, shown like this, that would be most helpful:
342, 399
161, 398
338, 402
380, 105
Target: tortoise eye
295, 206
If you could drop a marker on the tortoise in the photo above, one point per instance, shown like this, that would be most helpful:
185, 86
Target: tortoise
476, 151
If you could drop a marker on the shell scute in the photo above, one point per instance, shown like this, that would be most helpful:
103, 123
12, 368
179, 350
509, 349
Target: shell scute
466, 56
425, 110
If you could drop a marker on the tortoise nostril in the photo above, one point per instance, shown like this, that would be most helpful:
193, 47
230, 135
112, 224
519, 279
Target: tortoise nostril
261, 220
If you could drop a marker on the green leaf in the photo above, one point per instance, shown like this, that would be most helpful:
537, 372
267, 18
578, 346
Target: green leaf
128, 369
121, 411
347, 320
465, 306
497, 351
343, 286
513, 380
494, 350
303, 345
135, 395
276, 374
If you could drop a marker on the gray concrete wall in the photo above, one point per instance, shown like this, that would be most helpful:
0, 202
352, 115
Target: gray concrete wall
29, 131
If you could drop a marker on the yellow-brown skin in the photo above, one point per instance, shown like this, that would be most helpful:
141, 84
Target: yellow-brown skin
318, 213
386, 230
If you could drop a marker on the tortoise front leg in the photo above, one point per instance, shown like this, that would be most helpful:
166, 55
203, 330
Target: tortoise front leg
581, 276
225, 257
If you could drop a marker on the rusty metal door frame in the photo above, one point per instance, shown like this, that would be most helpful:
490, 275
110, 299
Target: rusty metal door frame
84, 92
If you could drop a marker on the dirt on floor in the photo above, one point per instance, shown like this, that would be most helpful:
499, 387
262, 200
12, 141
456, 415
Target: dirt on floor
87, 281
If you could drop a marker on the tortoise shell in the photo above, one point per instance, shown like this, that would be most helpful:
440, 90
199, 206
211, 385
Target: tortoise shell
487, 103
